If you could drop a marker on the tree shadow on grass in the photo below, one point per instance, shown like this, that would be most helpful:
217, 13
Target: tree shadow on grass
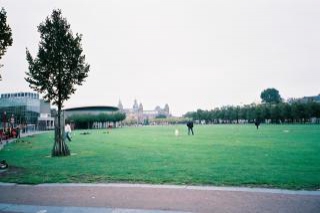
12, 171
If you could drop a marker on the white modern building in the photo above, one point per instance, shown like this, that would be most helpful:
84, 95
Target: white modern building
26, 109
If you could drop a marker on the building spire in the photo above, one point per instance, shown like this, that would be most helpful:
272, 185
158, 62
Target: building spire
120, 106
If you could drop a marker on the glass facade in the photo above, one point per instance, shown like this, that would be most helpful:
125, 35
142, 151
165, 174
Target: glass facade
23, 107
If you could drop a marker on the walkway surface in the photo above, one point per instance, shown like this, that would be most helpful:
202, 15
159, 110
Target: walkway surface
152, 198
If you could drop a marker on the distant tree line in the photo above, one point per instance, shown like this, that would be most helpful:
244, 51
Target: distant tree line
89, 121
265, 113
272, 110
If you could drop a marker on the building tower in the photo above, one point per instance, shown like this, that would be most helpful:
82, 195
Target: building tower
120, 106
166, 109
140, 113
135, 107
140, 108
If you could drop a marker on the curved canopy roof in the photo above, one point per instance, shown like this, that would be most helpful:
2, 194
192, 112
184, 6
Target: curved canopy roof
92, 108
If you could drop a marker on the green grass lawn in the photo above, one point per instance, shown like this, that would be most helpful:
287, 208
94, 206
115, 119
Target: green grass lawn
282, 156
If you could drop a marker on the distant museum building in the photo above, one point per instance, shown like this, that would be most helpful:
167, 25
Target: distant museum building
137, 114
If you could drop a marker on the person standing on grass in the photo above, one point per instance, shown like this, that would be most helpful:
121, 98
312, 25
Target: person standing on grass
18, 130
257, 123
190, 127
67, 130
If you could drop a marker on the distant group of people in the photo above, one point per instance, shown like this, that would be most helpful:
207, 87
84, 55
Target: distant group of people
10, 132
189, 125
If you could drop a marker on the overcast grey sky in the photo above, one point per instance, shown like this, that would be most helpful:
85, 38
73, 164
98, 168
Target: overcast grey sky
189, 54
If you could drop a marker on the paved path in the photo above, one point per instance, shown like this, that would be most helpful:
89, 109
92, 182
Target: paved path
10, 208
153, 198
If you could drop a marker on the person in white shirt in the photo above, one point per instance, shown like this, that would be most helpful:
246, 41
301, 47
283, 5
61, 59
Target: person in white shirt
67, 131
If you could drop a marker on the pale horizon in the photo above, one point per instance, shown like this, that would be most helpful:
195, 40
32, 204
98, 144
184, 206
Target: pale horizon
187, 54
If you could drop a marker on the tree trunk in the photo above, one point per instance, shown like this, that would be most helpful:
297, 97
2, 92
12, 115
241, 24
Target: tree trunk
60, 148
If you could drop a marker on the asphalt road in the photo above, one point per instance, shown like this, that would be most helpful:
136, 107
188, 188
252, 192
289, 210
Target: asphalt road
161, 197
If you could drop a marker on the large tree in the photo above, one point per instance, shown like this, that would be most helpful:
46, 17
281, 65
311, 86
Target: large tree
270, 95
57, 69
5, 34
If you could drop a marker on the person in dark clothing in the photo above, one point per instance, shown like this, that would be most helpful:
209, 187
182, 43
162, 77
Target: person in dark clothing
257, 123
190, 127
18, 131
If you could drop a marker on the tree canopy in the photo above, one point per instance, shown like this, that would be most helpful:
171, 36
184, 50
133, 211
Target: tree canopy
5, 34
296, 112
58, 67
270, 95
85, 121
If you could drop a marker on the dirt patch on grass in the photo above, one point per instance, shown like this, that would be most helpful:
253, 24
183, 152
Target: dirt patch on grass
11, 171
